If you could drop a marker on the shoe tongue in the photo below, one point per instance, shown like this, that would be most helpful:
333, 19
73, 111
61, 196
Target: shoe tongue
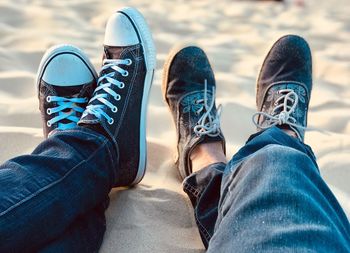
112, 52
67, 91
91, 119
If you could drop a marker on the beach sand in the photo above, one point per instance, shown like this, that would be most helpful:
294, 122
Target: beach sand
156, 216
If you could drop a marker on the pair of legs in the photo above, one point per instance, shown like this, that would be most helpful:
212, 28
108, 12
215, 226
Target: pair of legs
268, 198
54, 199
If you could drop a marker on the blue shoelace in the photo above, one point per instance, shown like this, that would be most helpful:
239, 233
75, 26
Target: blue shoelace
105, 83
64, 104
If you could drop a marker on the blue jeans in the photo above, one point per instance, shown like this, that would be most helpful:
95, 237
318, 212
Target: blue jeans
54, 199
269, 198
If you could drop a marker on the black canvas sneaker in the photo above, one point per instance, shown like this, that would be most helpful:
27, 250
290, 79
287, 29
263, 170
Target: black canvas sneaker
65, 82
189, 90
284, 86
119, 103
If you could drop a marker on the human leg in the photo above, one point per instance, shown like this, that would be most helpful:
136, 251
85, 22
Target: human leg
189, 90
83, 163
291, 63
67, 174
274, 199
85, 234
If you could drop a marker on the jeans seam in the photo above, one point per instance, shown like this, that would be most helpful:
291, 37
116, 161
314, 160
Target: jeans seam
192, 189
42, 189
110, 154
197, 194
201, 227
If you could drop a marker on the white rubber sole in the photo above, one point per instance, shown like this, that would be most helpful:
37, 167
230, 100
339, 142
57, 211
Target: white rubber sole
61, 49
150, 60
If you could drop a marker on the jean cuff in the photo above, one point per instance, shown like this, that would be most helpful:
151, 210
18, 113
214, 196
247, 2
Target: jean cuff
99, 137
203, 189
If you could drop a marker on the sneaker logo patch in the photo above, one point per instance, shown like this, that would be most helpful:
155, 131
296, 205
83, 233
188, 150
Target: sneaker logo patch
191, 103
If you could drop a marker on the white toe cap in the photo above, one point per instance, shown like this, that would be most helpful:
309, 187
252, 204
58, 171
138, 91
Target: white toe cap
120, 31
67, 69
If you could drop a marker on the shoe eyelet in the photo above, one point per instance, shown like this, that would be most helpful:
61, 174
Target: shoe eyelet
114, 109
117, 97
48, 111
48, 124
111, 121
129, 62
125, 73
121, 85
48, 99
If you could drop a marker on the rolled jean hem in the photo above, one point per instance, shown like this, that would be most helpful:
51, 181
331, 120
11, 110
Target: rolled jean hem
99, 136
195, 186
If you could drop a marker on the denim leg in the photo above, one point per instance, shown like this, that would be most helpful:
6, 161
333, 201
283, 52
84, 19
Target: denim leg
85, 234
273, 199
42, 194
203, 189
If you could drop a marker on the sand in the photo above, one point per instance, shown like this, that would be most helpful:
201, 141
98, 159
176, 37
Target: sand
156, 216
